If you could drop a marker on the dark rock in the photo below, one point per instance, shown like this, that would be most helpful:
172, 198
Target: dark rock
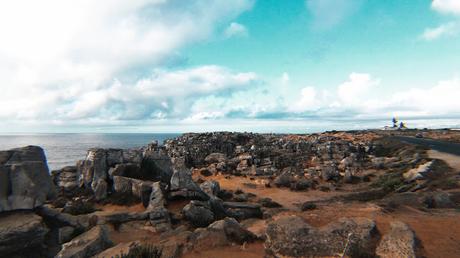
25, 182
241, 211
269, 203
87, 244
212, 188
308, 206
301, 184
66, 178
183, 186
283, 180
198, 213
21, 232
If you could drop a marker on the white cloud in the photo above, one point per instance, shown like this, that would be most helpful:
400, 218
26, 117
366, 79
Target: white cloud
353, 92
236, 30
59, 58
444, 30
328, 13
309, 100
446, 6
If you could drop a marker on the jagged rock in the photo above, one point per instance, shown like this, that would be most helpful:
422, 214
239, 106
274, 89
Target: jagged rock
66, 178
114, 156
93, 169
183, 186
116, 251
220, 233
198, 213
127, 170
212, 188
157, 163
398, 243
283, 180
132, 186
25, 182
100, 189
291, 236
269, 203
157, 199
241, 211
87, 244
65, 234
425, 171
215, 158
301, 184
64, 219
20, 232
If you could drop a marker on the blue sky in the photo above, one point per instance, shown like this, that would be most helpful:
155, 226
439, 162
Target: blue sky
243, 65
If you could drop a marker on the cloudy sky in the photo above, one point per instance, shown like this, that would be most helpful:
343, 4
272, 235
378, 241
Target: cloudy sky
245, 65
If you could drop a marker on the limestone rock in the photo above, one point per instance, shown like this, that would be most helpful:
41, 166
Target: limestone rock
210, 187
198, 213
182, 185
25, 182
87, 244
20, 232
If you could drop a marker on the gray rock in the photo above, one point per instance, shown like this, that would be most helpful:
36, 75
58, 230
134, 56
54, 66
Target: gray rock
93, 168
292, 237
210, 187
20, 232
215, 158
100, 189
87, 244
199, 214
66, 178
25, 182
65, 234
398, 243
241, 210
114, 156
182, 185
329, 172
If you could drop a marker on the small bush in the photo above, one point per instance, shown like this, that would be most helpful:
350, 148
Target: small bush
389, 182
142, 251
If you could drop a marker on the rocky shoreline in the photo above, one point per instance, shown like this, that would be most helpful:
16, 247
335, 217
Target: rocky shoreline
212, 191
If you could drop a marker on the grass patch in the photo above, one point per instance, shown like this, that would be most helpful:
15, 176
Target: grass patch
389, 182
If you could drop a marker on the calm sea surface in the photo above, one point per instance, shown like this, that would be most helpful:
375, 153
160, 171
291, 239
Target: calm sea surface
65, 149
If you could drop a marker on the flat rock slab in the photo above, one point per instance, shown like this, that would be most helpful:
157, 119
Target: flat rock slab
87, 244
398, 243
20, 231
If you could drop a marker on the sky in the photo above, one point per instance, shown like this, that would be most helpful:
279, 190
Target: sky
240, 65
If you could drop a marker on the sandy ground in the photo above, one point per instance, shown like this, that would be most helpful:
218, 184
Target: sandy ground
452, 160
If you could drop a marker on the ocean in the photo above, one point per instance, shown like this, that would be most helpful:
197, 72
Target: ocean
65, 149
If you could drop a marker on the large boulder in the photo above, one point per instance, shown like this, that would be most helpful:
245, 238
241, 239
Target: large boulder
87, 244
66, 178
198, 213
21, 232
215, 158
25, 182
93, 168
398, 243
220, 233
291, 236
212, 187
183, 186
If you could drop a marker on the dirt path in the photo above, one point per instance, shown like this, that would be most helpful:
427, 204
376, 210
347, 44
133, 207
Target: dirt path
452, 160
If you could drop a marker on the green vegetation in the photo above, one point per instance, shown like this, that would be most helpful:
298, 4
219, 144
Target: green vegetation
389, 182
143, 251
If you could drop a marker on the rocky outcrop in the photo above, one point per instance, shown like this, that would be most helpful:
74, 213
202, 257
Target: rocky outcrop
198, 213
220, 233
212, 188
66, 178
25, 182
241, 210
183, 186
21, 232
87, 244
398, 243
292, 237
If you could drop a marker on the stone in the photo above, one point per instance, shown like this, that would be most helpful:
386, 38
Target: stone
301, 184
100, 189
183, 186
87, 244
398, 243
20, 232
127, 170
241, 210
283, 180
291, 236
65, 234
25, 182
199, 214
269, 203
157, 164
116, 251
66, 178
215, 158
329, 172
114, 157
212, 188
